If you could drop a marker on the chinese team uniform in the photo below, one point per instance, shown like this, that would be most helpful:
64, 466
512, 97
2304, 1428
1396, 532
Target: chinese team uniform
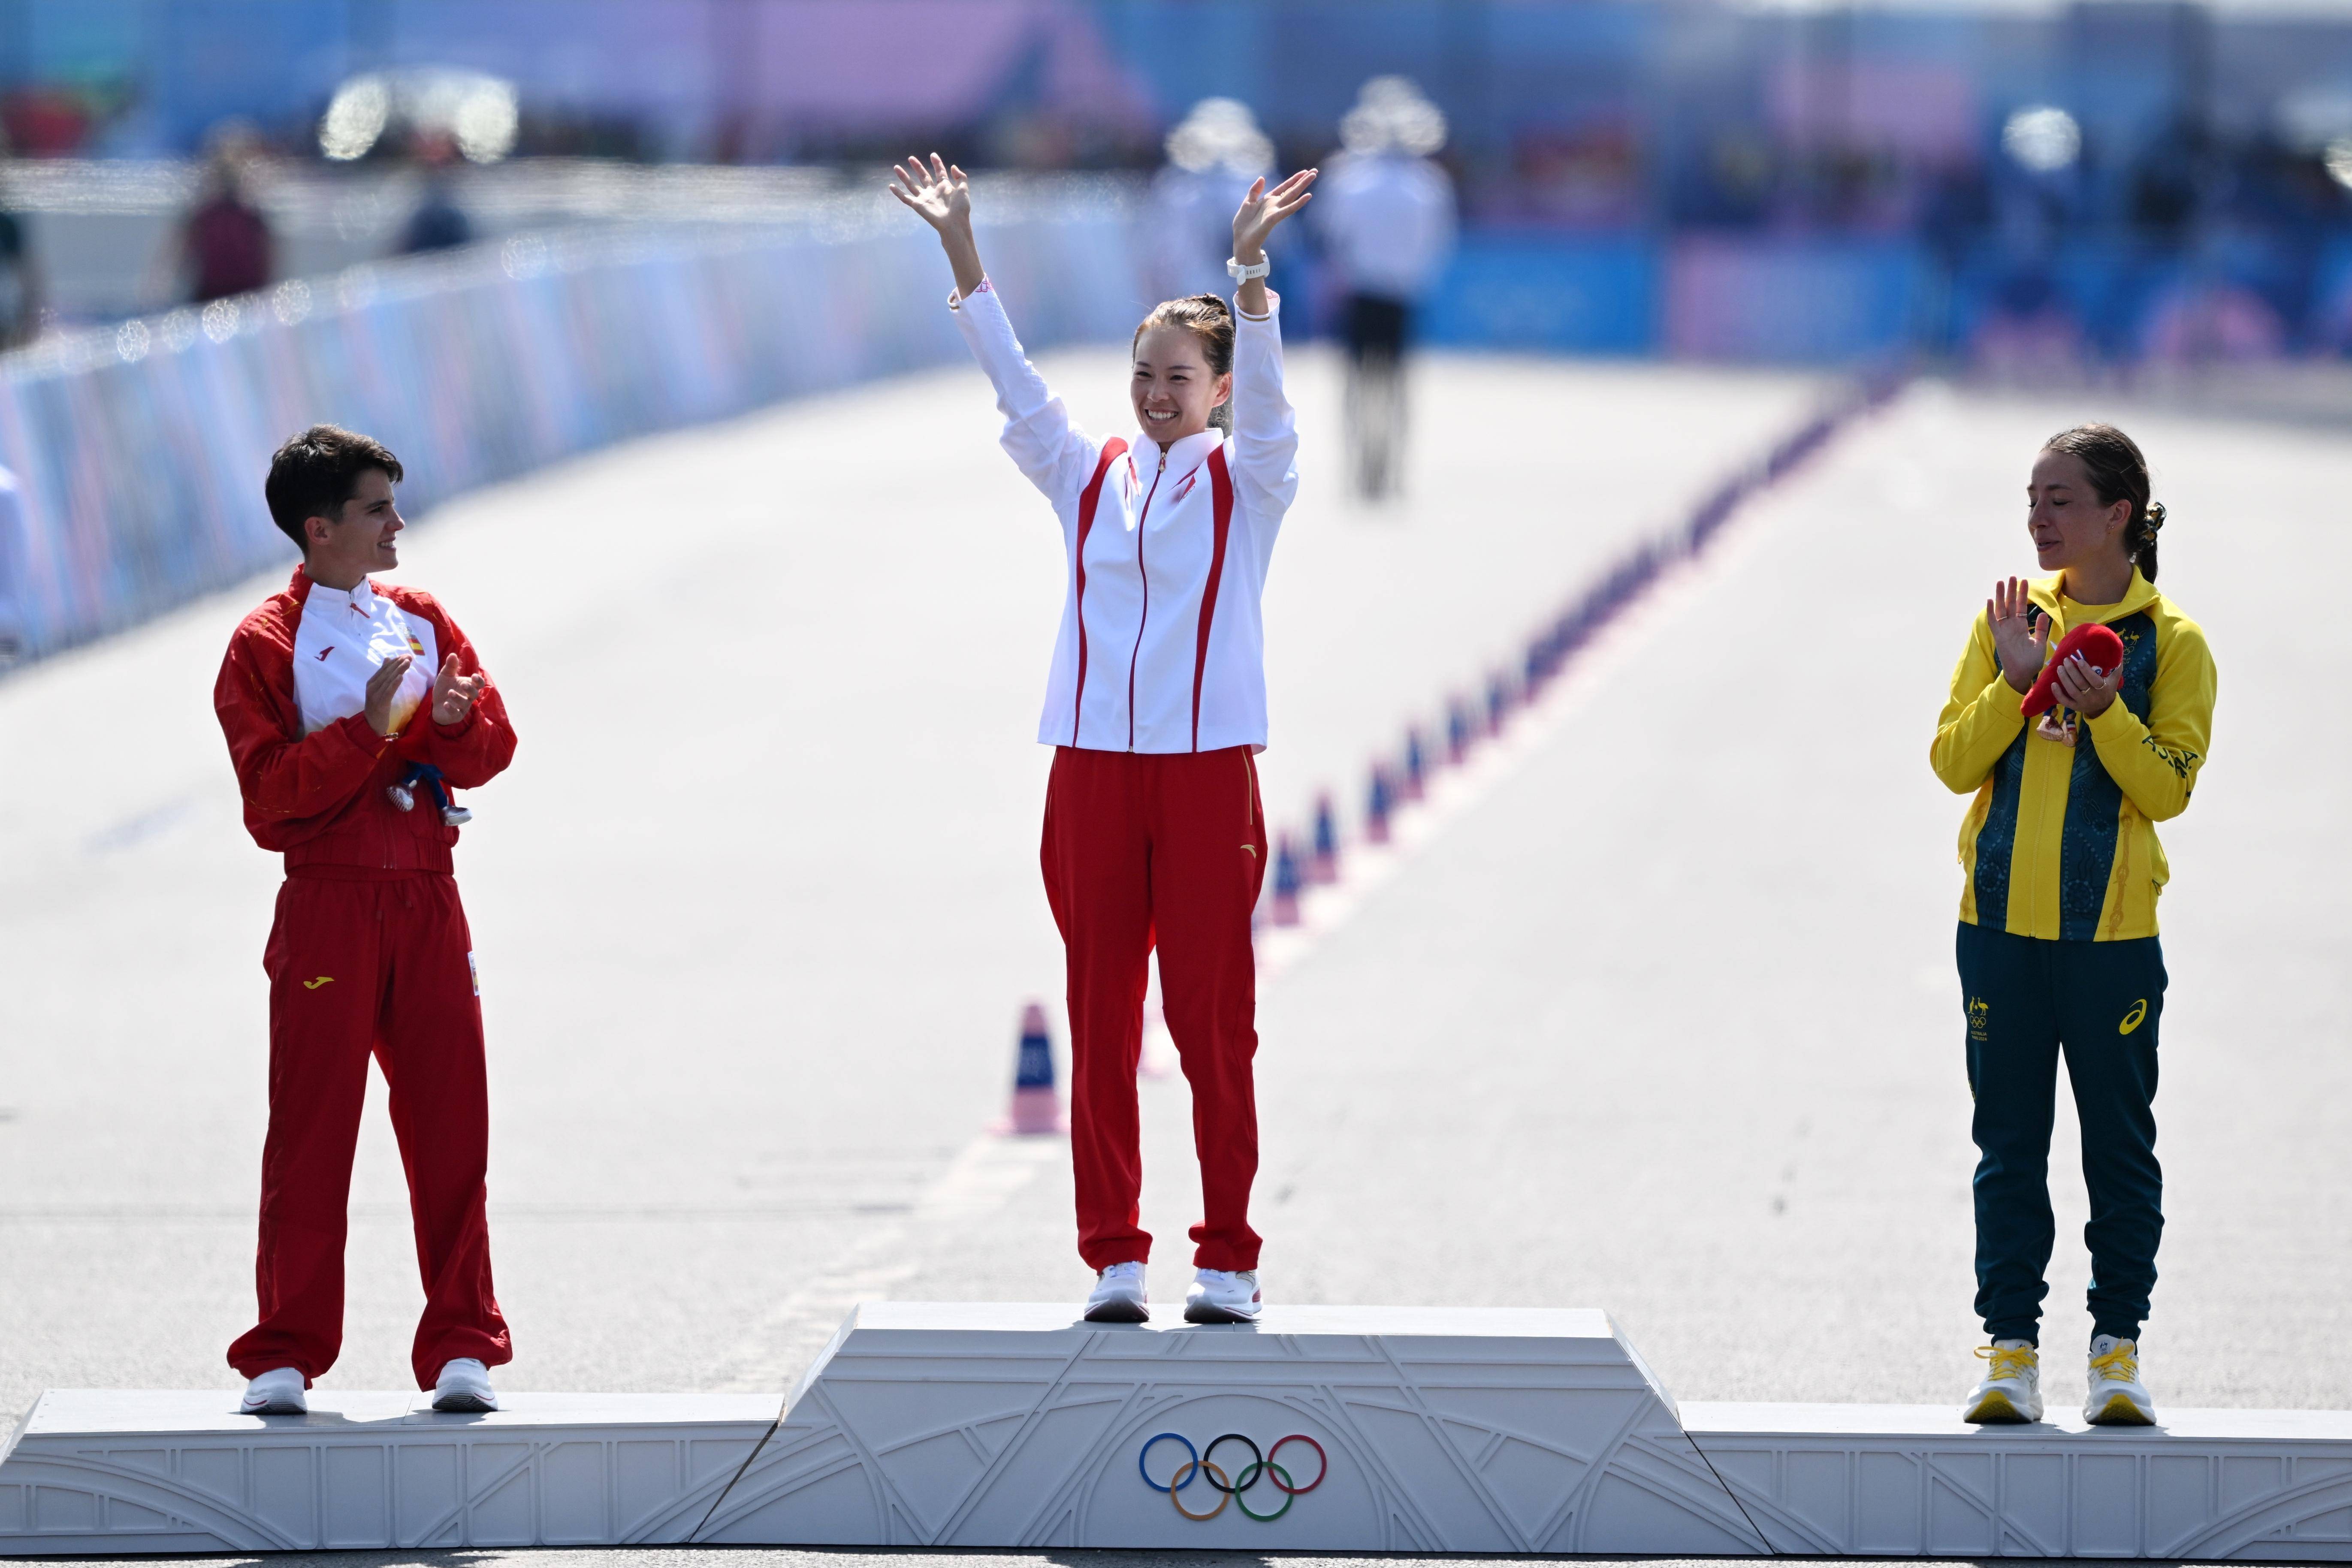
369, 955
2058, 947
1156, 709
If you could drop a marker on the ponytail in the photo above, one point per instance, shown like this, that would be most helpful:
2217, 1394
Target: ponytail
2118, 473
1208, 317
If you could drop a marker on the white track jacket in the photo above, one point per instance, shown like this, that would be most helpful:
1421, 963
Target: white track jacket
1162, 645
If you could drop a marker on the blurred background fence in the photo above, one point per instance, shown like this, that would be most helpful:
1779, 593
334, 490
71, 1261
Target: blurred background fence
139, 449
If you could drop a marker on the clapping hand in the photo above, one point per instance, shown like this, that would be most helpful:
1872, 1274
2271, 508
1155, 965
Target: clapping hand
2019, 641
382, 687
454, 695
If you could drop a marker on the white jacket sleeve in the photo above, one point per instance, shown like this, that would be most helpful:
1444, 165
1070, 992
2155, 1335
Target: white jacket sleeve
1266, 428
1054, 455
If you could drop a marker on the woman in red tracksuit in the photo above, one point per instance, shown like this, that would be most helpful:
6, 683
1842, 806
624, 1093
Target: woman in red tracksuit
1156, 709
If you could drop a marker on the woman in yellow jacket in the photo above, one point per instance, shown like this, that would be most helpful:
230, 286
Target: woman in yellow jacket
2057, 946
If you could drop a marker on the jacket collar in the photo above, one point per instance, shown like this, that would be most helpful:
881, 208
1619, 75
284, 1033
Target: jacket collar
362, 597
2137, 598
1183, 456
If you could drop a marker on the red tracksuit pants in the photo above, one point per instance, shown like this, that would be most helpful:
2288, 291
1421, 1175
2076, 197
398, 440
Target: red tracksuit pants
1168, 849
361, 966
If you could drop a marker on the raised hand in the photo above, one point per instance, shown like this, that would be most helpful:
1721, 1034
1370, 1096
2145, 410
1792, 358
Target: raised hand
1262, 212
454, 695
2020, 641
940, 196
382, 687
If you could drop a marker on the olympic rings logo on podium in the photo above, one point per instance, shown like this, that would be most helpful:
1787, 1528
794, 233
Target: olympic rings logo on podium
1201, 1463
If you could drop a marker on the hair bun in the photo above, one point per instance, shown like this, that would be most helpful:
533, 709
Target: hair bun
1214, 301
2156, 514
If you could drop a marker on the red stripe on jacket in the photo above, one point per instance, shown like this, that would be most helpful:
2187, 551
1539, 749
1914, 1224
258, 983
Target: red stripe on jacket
1088, 499
1221, 492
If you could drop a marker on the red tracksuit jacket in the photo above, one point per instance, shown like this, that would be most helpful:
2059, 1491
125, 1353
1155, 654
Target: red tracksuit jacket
320, 798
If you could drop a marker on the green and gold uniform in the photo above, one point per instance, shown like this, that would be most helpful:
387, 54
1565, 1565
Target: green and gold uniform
2057, 945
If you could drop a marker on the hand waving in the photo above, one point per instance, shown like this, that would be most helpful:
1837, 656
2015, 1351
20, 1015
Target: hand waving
2020, 645
939, 194
1262, 212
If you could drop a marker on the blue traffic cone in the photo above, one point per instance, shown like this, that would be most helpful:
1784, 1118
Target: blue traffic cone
1286, 883
1325, 865
1458, 723
1036, 1107
1376, 815
1499, 704
1416, 765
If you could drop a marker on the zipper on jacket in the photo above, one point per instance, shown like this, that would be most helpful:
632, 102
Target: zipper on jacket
1137, 652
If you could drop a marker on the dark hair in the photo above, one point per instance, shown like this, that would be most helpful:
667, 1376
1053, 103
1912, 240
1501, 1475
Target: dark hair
2118, 473
314, 473
1208, 317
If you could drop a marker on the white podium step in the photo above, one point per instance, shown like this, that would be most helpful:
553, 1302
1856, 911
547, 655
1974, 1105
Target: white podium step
1883, 1481
1443, 1431
1014, 1425
112, 1471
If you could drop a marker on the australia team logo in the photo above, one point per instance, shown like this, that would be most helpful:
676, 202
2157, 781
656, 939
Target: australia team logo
1202, 1465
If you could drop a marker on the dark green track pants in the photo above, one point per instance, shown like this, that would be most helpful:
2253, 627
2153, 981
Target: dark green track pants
2028, 1000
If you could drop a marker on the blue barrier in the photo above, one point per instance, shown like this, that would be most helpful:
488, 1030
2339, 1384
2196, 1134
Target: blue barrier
139, 451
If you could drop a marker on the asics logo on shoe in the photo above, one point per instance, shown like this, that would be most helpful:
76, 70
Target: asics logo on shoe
2133, 1018
321, 980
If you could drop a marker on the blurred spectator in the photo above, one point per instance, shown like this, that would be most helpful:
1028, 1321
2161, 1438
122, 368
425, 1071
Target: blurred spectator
226, 245
1386, 214
438, 223
2028, 334
1212, 157
20, 280
2212, 319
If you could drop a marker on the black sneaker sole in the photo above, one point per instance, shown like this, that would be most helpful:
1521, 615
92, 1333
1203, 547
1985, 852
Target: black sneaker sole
1119, 1313
463, 1405
1203, 1312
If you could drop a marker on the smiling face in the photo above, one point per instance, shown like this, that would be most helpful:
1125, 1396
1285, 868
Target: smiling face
2069, 525
364, 539
1172, 388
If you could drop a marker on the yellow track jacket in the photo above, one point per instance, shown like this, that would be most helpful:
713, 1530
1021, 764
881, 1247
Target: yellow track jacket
2060, 841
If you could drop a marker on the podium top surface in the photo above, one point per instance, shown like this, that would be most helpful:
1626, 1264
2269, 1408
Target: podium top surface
1942, 1422
1355, 1323
122, 1412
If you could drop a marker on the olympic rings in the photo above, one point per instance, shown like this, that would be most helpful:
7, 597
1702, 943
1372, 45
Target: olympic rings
1289, 1495
1284, 1482
1230, 1487
1185, 1469
1256, 1464
1216, 1478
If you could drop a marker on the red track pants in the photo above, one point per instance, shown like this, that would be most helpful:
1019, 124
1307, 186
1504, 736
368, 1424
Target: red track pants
382, 965
1171, 848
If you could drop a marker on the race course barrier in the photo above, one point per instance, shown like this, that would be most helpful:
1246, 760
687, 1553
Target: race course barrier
139, 451
1322, 1428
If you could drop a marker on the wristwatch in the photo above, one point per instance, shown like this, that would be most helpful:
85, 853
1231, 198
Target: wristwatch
1241, 274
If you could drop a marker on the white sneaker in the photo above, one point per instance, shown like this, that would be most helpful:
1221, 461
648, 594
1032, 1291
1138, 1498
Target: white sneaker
277, 1392
2116, 1397
1117, 1296
2012, 1389
465, 1388
1222, 1296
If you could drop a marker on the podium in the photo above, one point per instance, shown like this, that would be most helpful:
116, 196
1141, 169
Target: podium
1319, 1428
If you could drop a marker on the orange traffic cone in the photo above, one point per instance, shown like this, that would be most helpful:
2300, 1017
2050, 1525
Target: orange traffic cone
1036, 1107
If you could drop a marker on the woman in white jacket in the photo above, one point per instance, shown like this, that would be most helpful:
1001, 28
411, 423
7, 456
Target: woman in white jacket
1156, 709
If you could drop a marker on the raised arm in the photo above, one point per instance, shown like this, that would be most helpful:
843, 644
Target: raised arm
1050, 452
1266, 429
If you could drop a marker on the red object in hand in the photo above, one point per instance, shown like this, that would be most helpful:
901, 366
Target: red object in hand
2100, 648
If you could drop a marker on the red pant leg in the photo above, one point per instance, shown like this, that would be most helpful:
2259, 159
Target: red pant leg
430, 1046
1096, 859
325, 981
1208, 862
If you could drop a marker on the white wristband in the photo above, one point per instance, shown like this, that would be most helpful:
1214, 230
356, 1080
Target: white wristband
1241, 274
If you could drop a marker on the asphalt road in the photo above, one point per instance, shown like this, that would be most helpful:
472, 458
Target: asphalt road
1659, 1016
